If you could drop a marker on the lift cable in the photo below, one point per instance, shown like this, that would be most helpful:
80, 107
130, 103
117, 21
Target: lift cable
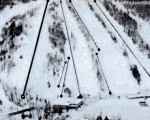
61, 95
110, 93
62, 73
85, 26
80, 95
23, 94
122, 39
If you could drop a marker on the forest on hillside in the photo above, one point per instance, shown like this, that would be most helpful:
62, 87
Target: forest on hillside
130, 25
4, 3
142, 10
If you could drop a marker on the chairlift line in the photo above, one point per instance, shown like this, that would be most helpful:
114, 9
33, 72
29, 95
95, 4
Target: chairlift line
80, 95
123, 39
103, 74
31, 64
61, 95
62, 73
85, 26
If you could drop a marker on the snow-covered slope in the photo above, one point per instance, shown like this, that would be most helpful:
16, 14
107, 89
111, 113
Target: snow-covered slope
105, 77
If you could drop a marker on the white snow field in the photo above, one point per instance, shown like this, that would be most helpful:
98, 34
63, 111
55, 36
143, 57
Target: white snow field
108, 80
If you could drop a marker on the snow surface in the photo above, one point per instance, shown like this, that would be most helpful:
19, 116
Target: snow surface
49, 61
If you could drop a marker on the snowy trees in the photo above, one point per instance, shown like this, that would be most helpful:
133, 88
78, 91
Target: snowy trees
99, 118
4, 3
129, 24
123, 18
142, 10
57, 36
136, 73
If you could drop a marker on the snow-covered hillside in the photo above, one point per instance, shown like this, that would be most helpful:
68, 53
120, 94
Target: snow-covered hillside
73, 60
